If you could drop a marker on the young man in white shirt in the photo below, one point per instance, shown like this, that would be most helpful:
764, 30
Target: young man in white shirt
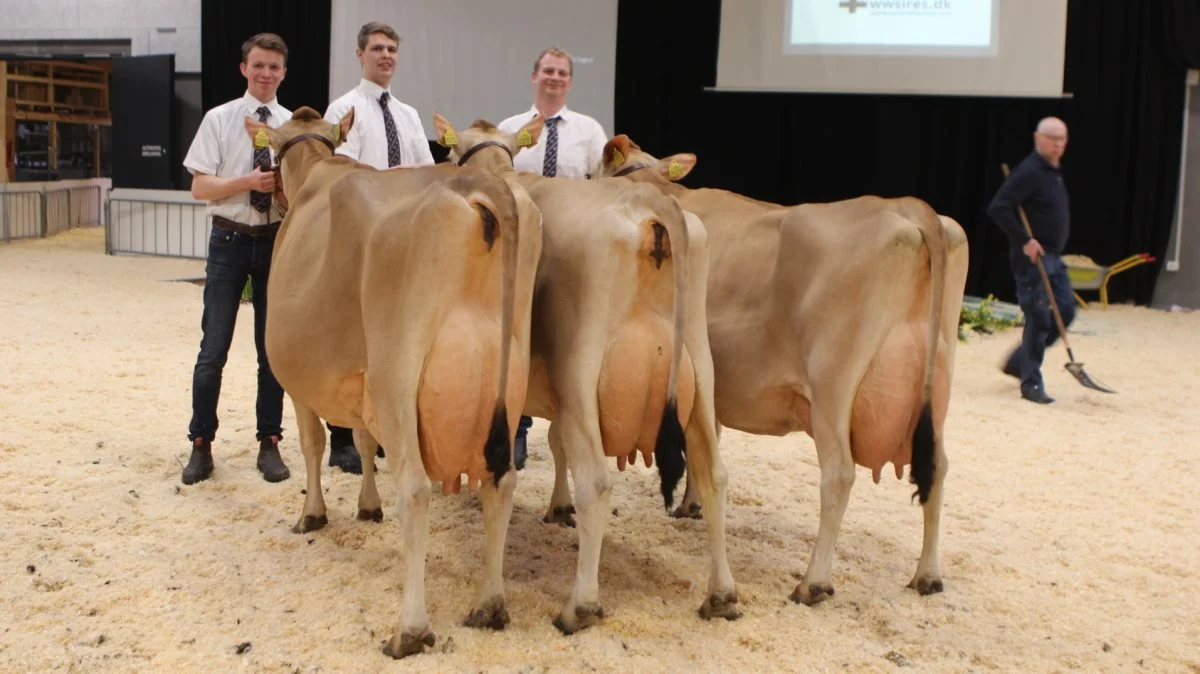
571, 144
234, 177
386, 133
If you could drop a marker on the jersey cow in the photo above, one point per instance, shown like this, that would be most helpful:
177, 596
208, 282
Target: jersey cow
835, 319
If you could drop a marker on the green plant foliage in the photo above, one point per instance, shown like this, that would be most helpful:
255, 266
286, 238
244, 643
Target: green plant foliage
983, 320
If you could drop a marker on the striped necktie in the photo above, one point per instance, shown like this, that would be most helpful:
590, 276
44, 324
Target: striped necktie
550, 162
261, 201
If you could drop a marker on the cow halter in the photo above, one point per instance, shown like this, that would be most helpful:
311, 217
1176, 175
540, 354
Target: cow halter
487, 143
280, 194
630, 169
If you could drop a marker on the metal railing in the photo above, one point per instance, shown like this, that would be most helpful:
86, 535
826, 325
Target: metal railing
156, 225
41, 212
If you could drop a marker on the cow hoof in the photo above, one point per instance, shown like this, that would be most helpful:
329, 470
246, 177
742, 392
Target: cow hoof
721, 606
491, 616
585, 617
926, 586
309, 523
692, 511
815, 594
375, 515
564, 515
409, 644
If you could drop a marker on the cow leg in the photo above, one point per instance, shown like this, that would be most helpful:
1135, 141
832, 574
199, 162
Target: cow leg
928, 579
370, 506
707, 472
312, 445
593, 488
561, 510
412, 634
831, 434
689, 507
489, 610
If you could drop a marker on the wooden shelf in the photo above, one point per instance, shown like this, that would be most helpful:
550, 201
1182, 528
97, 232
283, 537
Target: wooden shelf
54, 92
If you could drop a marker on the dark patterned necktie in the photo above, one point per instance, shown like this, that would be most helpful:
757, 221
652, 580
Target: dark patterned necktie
393, 138
550, 163
261, 201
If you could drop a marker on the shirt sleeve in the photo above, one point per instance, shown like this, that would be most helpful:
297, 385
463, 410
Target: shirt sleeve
204, 155
420, 143
352, 146
1003, 207
596, 146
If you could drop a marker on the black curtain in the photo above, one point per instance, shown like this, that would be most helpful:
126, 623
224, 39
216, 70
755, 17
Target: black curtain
1125, 65
304, 26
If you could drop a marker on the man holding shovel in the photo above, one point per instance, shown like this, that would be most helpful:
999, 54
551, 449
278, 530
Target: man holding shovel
1036, 186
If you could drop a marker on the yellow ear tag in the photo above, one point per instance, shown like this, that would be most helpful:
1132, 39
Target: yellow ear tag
617, 158
675, 170
337, 132
260, 139
524, 138
451, 138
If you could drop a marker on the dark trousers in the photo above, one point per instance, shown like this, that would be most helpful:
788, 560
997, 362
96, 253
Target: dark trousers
233, 257
1041, 330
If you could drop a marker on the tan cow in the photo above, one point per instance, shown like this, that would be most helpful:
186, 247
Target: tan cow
399, 303
837, 319
620, 357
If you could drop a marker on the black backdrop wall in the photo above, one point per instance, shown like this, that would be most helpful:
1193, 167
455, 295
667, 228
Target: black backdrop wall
1126, 65
304, 26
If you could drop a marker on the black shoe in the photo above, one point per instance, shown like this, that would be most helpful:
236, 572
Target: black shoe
345, 456
270, 463
379, 451
1036, 395
200, 464
519, 452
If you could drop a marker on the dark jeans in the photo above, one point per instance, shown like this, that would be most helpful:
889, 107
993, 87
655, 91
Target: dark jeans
1041, 330
231, 258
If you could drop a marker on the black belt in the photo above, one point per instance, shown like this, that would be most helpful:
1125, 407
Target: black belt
246, 230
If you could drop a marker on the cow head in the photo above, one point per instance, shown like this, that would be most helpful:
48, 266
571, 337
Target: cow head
468, 144
304, 136
623, 157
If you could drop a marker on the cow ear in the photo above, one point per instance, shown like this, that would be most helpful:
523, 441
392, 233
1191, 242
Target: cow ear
446, 135
677, 166
530, 133
616, 152
341, 130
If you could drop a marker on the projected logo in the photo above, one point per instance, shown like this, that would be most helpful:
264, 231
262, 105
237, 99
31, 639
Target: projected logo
897, 7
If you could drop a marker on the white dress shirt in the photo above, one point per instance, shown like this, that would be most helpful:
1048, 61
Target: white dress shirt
222, 148
581, 142
367, 140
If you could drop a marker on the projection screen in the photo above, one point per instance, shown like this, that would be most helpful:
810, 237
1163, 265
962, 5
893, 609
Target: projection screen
940, 47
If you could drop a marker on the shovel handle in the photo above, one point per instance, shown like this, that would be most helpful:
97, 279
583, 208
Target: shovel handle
1062, 329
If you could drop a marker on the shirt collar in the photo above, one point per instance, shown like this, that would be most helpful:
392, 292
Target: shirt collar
255, 104
563, 113
371, 89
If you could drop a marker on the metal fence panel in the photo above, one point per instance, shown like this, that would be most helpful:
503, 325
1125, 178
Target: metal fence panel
23, 214
36, 212
144, 225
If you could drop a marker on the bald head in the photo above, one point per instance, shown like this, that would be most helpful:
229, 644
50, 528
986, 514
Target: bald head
1050, 139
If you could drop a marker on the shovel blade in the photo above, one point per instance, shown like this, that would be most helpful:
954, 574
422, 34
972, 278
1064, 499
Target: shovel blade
1076, 369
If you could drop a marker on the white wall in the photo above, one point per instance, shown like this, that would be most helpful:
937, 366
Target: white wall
134, 20
473, 58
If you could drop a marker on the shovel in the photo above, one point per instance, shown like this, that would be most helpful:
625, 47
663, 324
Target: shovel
1074, 366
